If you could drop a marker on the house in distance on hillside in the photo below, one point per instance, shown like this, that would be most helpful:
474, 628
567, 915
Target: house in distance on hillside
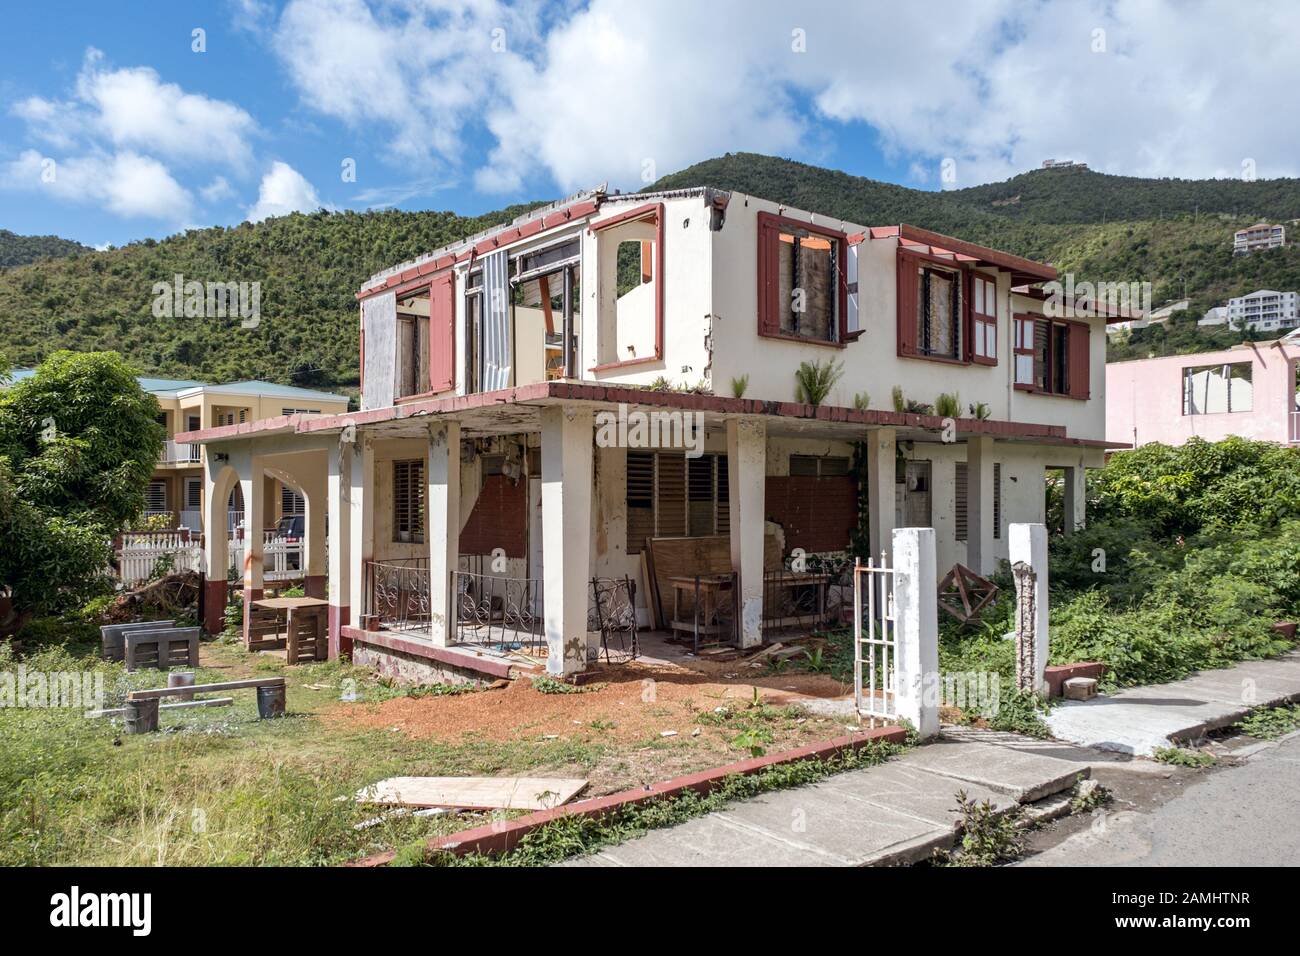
176, 491
543, 402
1258, 238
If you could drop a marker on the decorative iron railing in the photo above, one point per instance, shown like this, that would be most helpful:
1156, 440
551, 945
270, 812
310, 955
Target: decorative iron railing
501, 612
396, 593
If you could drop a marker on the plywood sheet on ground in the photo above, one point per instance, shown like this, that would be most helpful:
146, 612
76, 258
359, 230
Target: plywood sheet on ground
478, 793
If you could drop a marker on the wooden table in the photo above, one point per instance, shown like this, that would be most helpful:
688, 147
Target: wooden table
706, 591
304, 627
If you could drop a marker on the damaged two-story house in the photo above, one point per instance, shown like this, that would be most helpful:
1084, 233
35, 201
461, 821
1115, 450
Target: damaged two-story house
542, 401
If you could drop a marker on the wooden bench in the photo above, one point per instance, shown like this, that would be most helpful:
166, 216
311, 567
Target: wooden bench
164, 648
112, 644
142, 706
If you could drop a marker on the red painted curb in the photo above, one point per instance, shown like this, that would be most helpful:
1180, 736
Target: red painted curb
503, 835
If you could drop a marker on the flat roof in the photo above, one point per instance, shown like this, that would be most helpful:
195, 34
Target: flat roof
513, 410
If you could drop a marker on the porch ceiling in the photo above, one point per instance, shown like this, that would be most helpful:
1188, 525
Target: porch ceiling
518, 410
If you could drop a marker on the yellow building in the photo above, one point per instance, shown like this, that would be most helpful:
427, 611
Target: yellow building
176, 489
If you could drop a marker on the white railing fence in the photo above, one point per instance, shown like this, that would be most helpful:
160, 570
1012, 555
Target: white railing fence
141, 551
282, 558
1295, 426
145, 554
179, 452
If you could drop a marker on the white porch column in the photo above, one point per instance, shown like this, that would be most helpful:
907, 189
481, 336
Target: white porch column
442, 499
1028, 543
916, 629
566, 534
339, 551
979, 504
362, 532
252, 482
313, 479
216, 555
1076, 494
746, 487
881, 451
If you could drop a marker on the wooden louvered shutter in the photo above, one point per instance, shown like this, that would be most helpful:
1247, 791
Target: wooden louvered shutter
670, 498
907, 304
1080, 360
640, 499
769, 315
442, 332
959, 502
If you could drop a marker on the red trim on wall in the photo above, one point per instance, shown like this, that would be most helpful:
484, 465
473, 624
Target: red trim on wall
655, 210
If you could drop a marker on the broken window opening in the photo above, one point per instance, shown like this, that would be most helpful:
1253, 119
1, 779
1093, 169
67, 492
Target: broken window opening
413, 344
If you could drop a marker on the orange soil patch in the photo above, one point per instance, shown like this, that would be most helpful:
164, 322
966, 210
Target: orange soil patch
636, 703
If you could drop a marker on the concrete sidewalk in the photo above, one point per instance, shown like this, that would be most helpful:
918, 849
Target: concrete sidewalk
1141, 719
898, 812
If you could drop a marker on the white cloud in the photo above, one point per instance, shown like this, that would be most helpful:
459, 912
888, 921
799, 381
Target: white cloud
124, 183
217, 190
596, 90
416, 70
283, 190
133, 108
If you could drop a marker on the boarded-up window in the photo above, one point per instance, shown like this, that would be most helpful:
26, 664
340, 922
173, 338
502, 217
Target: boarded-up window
408, 501
802, 289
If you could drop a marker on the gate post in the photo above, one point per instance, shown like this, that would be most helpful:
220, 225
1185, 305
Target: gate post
1028, 545
916, 617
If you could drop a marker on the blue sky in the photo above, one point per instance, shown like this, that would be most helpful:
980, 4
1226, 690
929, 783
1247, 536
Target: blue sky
112, 128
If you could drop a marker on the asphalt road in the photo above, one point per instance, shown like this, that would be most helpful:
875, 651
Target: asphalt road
1237, 816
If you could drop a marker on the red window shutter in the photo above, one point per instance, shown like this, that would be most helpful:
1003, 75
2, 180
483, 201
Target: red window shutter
1080, 360
967, 316
442, 332
769, 321
907, 266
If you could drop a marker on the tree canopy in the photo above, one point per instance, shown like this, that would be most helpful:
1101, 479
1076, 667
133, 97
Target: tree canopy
78, 443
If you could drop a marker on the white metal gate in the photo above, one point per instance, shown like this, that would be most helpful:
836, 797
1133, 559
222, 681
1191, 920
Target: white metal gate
875, 651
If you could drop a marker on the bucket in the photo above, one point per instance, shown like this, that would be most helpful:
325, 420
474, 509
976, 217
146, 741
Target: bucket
142, 716
270, 701
182, 679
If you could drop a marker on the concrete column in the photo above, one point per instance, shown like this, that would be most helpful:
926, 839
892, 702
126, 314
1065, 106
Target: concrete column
339, 552
442, 501
979, 504
216, 555
314, 484
252, 480
881, 452
746, 488
916, 630
1028, 543
1076, 497
566, 534
362, 533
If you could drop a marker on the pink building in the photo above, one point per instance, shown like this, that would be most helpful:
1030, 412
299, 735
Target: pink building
1251, 390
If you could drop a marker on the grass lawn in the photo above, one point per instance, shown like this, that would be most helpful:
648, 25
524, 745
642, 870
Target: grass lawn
217, 786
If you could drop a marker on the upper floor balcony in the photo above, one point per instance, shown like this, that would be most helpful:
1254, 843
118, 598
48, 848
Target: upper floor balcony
179, 453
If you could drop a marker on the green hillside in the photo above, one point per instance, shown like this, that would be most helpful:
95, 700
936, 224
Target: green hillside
1072, 194
309, 267
16, 250
1175, 234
